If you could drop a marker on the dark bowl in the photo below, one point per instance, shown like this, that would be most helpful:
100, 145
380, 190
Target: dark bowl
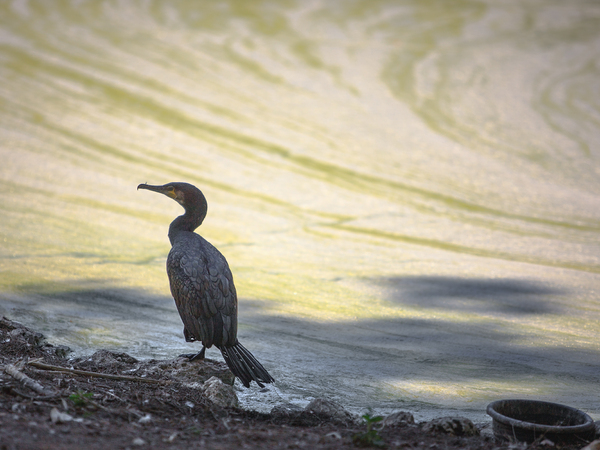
530, 420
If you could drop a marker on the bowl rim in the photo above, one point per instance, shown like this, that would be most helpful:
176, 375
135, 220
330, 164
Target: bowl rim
506, 420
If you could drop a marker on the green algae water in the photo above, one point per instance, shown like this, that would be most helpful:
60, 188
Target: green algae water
407, 192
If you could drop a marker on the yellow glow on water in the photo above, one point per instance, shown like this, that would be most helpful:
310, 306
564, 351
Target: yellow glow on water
456, 393
99, 337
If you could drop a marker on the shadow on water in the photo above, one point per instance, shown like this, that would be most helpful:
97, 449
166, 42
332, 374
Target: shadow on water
509, 296
94, 297
90, 314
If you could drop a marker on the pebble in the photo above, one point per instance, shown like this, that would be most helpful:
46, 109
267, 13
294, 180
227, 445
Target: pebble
399, 419
220, 393
59, 417
146, 419
456, 426
138, 441
330, 409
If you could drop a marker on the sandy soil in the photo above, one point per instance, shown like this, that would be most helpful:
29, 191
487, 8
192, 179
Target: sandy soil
163, 406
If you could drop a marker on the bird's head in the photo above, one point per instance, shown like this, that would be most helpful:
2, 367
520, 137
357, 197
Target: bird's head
187, 195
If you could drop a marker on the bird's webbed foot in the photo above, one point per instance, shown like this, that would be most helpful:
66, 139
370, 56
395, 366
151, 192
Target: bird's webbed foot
195, 356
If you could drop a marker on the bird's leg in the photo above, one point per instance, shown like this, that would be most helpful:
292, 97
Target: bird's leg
195, 356
199, 355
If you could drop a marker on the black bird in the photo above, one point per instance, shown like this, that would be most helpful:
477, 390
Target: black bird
202, 286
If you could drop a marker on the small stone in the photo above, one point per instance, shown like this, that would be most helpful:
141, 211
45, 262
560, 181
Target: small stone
399, 419
59, 417
106, 357
334, 435
219, 393
146, 419
62, 351
486, 431
285, 411
138, 441
330, 410
455, 426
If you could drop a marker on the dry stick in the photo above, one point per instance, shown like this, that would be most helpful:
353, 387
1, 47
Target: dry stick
30, 383
85, 373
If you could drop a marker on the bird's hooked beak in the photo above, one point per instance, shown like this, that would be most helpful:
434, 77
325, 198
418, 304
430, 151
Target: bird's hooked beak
166, 189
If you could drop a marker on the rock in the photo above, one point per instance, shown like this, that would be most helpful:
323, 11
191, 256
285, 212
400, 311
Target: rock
486, 431
456, 426
329, 410
219, 393
146, 419
19, 340
285, 411
23, 334
594, 445
7, 324
398, 419
106, 357
60, 350
192, 373
138, 441
59, 417
110, 362
334, 435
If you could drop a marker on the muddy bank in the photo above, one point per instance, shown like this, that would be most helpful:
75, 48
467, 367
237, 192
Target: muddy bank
112, 400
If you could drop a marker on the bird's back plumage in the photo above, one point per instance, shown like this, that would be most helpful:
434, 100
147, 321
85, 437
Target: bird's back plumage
202, 286
204, 292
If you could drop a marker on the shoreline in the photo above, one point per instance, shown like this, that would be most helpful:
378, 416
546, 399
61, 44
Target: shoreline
112, 400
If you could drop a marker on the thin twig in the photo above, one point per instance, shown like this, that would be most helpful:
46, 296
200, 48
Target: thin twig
85, 373
14, 372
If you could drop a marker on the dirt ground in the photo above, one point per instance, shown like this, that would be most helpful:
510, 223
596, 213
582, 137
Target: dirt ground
162, 405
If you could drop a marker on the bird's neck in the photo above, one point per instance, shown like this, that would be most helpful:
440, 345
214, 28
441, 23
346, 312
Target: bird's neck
187, 222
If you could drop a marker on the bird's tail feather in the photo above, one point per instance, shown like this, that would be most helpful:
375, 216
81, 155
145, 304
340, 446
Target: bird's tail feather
245, 366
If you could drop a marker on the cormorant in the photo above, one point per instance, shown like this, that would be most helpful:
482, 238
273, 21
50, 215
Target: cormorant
202, 286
